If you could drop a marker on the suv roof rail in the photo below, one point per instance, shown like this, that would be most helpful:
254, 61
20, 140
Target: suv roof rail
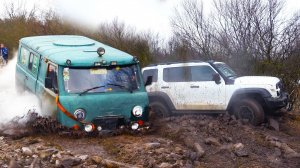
210, 61
179, 62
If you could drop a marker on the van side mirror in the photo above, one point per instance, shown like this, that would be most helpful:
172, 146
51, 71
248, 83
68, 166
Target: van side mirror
148, 81
216, 77
48, 83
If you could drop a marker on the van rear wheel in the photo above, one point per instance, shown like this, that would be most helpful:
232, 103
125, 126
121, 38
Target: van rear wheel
250, 110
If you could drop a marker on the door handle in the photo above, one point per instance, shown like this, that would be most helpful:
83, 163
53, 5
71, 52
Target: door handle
26, 77
193, 86
165, 87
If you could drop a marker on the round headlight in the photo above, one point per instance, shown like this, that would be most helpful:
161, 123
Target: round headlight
137, 111
79, 114
89, 127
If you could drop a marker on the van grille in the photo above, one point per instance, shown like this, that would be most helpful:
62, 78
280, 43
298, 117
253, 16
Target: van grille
109, 122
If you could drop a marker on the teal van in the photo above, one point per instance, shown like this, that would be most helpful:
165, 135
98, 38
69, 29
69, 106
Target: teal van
83, 83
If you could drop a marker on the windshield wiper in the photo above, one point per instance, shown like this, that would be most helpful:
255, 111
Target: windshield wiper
93, 88
121, 86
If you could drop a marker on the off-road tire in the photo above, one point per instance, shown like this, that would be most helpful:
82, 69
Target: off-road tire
249, 109
158, 110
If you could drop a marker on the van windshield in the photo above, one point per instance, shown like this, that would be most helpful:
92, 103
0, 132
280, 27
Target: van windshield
102, 79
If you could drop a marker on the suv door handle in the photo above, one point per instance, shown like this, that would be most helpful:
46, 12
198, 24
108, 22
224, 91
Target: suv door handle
165, 87
193, 86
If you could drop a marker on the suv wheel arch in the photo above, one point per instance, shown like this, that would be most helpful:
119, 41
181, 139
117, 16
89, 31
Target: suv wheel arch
161, 103
258, 94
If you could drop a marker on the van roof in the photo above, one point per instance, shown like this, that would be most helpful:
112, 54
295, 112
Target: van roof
82, 51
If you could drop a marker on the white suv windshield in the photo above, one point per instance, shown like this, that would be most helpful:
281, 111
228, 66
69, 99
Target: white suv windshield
225, 70
103, 79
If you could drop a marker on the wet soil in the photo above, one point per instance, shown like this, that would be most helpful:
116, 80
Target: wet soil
181, 141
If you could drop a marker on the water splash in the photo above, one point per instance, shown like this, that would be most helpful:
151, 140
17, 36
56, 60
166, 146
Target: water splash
14, 106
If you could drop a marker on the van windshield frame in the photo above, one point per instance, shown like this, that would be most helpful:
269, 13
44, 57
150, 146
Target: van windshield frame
119, 78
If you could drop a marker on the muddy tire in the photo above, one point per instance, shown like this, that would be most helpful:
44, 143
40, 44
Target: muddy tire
158, 110
250, 110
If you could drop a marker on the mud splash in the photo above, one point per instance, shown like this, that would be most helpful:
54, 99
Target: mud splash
14, 106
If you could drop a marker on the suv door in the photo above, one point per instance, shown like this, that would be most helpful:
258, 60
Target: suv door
204, 92
174, 84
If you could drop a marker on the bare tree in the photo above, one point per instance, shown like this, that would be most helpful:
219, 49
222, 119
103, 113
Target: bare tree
125, 38
190, 25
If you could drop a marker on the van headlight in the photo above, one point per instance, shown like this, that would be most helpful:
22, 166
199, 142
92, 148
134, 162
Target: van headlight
137, 111
80, 114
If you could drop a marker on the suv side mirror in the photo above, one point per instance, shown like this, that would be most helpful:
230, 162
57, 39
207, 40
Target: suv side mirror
48, 83
216, 77
148, 81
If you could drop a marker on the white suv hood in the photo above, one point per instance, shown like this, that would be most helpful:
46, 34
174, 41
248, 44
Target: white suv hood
256, 80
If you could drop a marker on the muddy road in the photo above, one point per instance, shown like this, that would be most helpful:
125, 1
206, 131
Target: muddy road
183, 141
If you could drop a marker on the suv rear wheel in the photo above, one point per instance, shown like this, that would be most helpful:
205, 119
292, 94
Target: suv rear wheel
158, 110
249, 109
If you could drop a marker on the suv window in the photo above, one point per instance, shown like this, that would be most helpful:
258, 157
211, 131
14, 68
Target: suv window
202, 73
150, 72
176, 74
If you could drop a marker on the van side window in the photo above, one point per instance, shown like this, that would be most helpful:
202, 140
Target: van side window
30, 61
24, 56
33, 63
52, 75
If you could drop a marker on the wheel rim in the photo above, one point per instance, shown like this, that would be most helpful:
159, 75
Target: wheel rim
246, 113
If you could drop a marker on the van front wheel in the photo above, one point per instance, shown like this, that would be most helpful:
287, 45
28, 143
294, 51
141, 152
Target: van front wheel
250, 110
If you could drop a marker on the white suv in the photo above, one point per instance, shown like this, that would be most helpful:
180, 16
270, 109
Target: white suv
211, 87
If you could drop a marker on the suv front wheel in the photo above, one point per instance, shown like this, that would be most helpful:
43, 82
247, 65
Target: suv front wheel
250, 110
158, 110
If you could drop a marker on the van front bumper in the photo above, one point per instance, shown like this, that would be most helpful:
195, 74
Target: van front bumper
117, 122
277, 103
110, 122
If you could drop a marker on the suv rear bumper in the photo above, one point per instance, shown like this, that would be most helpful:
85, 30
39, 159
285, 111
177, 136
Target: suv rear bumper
277, 103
